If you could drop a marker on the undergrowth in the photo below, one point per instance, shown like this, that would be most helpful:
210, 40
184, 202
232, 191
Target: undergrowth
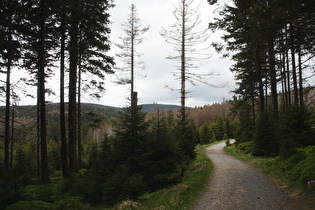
182, 195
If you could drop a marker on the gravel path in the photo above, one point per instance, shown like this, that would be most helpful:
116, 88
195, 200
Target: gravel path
236, 185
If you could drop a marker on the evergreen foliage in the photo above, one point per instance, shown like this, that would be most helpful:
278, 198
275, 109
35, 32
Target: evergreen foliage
205, 134
265, 137
295, 129
220, 128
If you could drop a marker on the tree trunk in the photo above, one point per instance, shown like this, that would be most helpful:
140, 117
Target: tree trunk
295, 89
38, 136
183, 68
73, 48
79, 113
273, 76
300, 76
8, 96
260, 82
41, 81
63, 138
12, 139
7, 114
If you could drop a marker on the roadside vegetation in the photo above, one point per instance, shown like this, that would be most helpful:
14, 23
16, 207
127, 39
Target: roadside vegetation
182, 195
157, 165
291, 174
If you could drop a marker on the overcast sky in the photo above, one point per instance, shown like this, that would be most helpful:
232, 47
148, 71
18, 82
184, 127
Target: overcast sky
150, 83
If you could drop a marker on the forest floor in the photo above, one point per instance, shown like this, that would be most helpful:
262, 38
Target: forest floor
236, 185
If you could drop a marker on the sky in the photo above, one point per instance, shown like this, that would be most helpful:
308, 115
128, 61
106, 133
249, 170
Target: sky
151, 82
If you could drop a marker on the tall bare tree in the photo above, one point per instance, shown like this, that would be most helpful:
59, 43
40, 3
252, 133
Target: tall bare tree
189, 44
133, 37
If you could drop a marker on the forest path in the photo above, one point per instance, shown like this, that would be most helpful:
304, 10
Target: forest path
236, 185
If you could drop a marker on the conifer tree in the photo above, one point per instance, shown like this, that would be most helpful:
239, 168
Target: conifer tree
10, 52
189, 44
133, 37
205, 134
88, 45
39, 36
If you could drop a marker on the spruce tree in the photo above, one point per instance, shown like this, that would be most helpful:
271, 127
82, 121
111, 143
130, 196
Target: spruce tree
205, 134
189, 47
10, 52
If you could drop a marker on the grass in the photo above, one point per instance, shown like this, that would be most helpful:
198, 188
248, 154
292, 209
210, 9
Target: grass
182, 195
272, 169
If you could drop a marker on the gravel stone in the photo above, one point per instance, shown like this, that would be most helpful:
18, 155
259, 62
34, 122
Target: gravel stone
236, 185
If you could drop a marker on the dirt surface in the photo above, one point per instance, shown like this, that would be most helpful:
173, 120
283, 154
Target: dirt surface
236, 185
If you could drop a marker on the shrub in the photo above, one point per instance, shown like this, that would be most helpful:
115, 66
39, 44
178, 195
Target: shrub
227, 142
295, 130
265, 136
121, 185
72, 202
30, 205
247, 147
35, 192
301, 166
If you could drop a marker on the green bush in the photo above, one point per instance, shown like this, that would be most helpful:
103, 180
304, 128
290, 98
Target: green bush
265, 136
247, 147
30, 205
227, 142
301, 166
72, 202
35, 192
295, 129
121, 185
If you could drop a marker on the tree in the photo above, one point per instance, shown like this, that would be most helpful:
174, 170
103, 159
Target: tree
188, 43
133, 37
205, 134
10, 52
127, 157
160, 149
93, 62
220, 128
39, 41
61, 11
88, 45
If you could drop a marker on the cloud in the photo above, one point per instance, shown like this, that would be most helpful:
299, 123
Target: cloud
158, 72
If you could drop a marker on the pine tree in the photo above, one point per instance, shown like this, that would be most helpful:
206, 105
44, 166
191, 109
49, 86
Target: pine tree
10, 52
220, 129
160, 149
265, 137
88, 45
133, 37
39, 38
189, 45
127, 157
205, 134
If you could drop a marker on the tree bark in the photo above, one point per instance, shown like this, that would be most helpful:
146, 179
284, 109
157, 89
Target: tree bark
7, 113
79, 113
63, 138
41, 81
12, 138
295, 88
273, 76
73, 48
300, 76
183, 68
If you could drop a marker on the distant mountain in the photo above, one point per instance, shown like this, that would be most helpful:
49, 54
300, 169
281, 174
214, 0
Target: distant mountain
161, 107
30, 110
